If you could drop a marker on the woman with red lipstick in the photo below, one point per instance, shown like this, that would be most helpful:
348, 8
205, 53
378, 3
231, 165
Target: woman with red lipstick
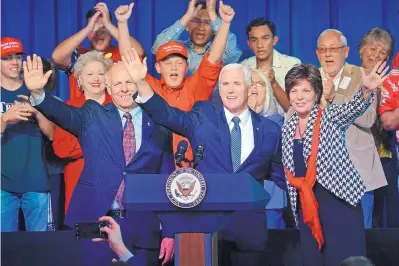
90, 71
324, 187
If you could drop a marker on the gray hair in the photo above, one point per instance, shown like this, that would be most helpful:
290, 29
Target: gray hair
344, 42
247, 72
357, 261
380, 35
89, 57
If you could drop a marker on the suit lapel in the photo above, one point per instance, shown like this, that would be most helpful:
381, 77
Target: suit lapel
224, 134
258, 138
147, 128
115, 127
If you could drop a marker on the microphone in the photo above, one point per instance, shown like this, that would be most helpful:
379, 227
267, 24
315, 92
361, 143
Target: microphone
180, 152
198, 155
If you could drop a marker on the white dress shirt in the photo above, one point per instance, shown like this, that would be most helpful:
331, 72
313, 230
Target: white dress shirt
247, 132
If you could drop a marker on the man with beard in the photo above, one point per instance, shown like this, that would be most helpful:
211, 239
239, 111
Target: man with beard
202, 22
262, 37
99, 31
172, 57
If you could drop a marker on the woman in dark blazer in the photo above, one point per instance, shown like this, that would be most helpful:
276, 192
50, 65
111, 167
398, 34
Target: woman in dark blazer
319, 170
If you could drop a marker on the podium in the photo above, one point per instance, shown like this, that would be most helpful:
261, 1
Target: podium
196, 228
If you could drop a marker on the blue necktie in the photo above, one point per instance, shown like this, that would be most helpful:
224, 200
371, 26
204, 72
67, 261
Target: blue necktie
235, 145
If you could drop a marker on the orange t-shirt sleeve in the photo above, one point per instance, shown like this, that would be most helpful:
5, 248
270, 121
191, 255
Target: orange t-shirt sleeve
205, 79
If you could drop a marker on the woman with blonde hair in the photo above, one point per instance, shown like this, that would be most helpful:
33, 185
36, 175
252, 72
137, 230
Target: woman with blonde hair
262, 102
90, 71
261, 99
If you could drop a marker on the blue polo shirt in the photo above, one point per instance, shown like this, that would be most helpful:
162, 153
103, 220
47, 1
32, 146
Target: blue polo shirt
23, 167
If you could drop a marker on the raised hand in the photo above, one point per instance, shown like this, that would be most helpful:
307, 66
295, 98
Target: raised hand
103, 9
226, 12
252, 99
94, 24
374, 79
211, 7
328, 88
192, 10
137, 69
268, 70
34, 78
123, 13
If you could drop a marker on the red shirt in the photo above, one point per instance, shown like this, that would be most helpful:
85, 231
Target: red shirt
395, 61
67, 146
197, 87
111, 53
390, 97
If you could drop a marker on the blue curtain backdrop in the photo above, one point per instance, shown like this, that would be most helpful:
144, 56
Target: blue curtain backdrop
42, 24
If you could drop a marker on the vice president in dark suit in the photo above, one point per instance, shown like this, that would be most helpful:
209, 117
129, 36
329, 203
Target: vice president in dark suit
236, 140
116, 139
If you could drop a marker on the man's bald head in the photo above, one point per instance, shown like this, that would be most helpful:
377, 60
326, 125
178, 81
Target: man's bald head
121, 87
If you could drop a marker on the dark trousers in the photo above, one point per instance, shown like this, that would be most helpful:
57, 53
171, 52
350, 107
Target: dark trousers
343, 231
230, 255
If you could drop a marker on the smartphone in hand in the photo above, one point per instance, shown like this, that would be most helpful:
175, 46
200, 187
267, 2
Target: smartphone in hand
90, 230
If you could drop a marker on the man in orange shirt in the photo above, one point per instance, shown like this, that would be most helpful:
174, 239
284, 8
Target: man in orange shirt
172, 65
99, 31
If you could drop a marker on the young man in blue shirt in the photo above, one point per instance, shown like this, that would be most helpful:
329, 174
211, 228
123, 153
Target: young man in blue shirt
24, 175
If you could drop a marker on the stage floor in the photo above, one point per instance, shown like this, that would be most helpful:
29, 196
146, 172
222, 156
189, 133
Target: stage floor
62, 249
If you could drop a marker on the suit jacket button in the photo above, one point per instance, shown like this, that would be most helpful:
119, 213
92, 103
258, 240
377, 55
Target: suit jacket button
124, 173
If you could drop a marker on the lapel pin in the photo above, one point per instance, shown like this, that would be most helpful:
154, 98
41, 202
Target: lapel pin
257, 129
148, 124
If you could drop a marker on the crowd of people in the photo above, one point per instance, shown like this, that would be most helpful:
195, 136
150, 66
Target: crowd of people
323, 142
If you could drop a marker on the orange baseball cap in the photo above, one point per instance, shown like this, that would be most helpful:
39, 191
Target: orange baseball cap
169, 48
10, 45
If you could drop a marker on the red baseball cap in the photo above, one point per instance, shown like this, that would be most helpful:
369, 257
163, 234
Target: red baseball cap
169, 48
10, 45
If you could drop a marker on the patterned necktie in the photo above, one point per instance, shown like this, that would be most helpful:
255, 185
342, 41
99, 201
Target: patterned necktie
129, 149
235, 146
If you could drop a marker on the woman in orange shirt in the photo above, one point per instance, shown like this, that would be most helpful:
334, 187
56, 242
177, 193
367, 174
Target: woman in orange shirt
90, 71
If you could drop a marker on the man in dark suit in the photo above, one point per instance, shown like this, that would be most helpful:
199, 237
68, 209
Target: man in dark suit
236, 140
117, 139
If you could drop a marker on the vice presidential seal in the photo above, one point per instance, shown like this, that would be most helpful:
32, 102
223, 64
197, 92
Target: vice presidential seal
186, 188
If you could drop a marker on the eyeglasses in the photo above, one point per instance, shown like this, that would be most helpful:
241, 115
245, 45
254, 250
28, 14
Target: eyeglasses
199, 22
259, 84
330, 49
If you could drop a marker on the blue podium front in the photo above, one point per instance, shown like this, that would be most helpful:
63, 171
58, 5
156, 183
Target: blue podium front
195, 228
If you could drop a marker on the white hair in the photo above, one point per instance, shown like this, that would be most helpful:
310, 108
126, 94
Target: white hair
247, 72
89, 57
344, 42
